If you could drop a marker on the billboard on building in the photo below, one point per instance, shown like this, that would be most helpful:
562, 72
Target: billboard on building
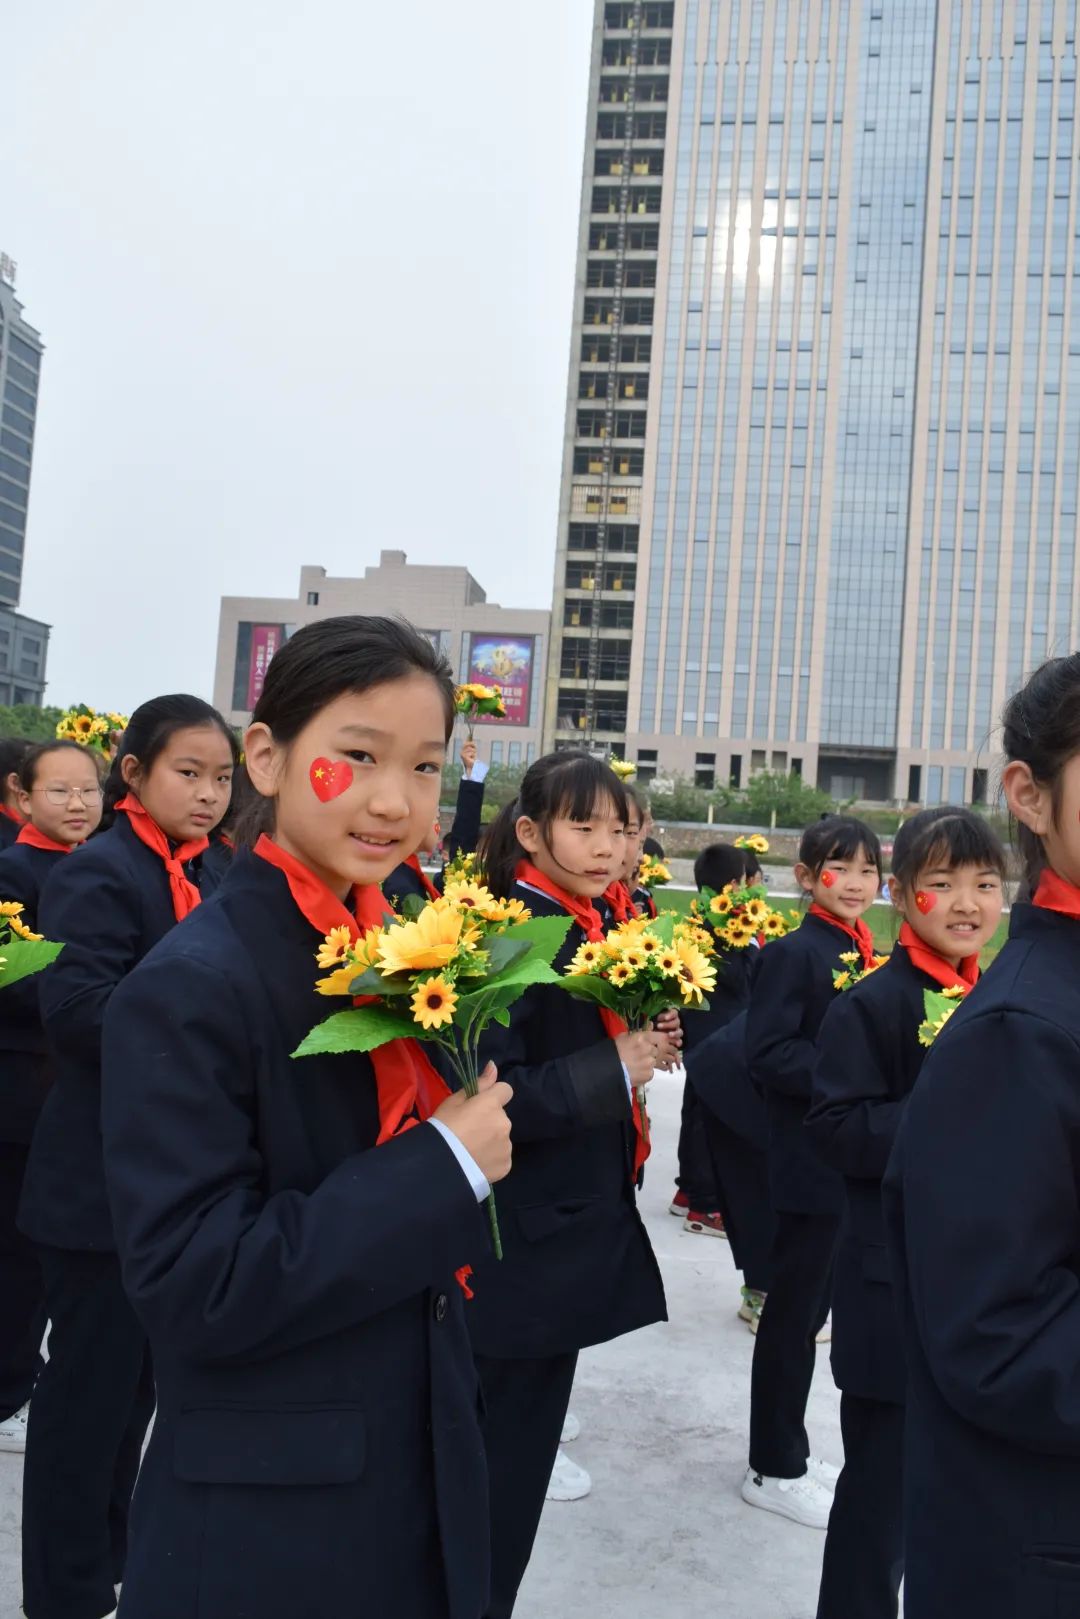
255, 646
505, 661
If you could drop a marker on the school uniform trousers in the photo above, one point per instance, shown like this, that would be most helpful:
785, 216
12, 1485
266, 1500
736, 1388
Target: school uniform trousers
25, 1081
108, 903
578, 1268
699, 1175
792, 991
869, 1059
317, 1447
982, 1216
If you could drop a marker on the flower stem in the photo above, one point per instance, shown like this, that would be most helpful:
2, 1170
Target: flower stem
464, 1064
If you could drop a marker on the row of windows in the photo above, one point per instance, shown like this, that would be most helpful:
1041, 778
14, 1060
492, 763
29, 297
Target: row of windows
605, 615
650, 52
25, 352
653, 14
19, 396
624, 463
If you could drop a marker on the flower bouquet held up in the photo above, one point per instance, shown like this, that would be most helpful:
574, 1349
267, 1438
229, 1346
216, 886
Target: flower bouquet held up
440, 972
754, 841
939, 1006
652, 873
90, 729
642, 968
740, 914
476, 702
625, 769
21, 951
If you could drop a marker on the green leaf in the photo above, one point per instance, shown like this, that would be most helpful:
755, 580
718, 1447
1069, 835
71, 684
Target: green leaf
372, 982
23, 957
663, 926
546, 933
504, 949
586, 988
362, 1028
501, 1015
411, 906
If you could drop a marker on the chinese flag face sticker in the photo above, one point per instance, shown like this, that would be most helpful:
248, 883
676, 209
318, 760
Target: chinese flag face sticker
924, 903
828, 879
330, 779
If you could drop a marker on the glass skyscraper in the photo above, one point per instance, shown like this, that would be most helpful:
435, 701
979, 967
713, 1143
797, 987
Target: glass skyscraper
23, 641
856, 437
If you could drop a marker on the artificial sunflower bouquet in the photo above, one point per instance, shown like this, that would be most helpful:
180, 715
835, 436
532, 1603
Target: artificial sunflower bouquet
441, 972
653, 873
740, 915
89, 728
754, 841
641, 968
476, 702
623, 768
853, 971
22, 952
938, 1007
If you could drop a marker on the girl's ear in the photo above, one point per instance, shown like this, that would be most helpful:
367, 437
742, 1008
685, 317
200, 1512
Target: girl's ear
528, 834
1030, 802
804, 877
11, 785
129, 769
22, 798
261, 759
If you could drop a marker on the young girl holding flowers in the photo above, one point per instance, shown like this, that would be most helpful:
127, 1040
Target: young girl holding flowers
290, 1231
839, 869
982, 1212
108, 905
578, 1268
948, 869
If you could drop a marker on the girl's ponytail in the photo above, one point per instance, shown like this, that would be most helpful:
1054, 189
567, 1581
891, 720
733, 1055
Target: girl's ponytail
1041, 728
500, 851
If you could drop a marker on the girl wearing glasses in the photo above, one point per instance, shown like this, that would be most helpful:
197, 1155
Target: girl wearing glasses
59, 802
168, 788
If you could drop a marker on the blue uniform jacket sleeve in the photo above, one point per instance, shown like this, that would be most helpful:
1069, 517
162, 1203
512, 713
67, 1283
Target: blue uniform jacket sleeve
853, 1120
96, 915
213, 1263
987, 1182
563, 1094
464, 835
780, 1056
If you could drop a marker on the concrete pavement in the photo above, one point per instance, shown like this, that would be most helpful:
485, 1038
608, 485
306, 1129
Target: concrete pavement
664, 1416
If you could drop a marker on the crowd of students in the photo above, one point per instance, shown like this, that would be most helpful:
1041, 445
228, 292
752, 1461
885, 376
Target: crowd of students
269, 1259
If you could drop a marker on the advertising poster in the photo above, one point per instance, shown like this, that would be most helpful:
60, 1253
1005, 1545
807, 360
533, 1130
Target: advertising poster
505, 661
265, 641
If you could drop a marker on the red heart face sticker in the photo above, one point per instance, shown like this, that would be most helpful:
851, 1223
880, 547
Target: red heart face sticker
330, 780
924, 903
828, 879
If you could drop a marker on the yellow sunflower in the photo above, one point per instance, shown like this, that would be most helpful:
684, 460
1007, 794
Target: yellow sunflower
335, 947
508, 910
850, 957
696, 973
738, 935
587, 959
649, 943
632, 956
11, 907
433, 1003
469, 895
82, 727
621, 973
755, 911
21, 929
721, 904
774, 926
433, 940
667, 959
337, 983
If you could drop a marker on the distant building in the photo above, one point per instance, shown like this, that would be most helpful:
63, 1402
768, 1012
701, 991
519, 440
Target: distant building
24, 642
504, 646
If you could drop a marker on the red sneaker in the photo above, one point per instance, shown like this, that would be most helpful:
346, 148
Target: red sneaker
679, 1205
705, 1225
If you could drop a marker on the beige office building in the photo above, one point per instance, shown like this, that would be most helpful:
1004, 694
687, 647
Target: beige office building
819, 503
494, 645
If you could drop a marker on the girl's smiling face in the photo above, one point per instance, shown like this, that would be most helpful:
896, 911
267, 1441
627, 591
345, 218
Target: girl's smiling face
65, 800
844, 888
953, 909
357, 791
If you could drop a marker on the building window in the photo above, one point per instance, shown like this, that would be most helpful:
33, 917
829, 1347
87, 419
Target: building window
735, 770
496, 753
914, 784
705, 770
513, 753
313, 598
979, 784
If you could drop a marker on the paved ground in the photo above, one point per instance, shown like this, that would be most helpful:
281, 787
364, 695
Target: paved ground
664, 1415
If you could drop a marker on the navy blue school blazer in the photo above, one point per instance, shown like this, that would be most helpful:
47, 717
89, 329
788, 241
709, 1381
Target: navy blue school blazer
109, 903
982, 1209
25, 1065
578, 1266
317, 1448
734, 971
9, 831
869, 1058
792, 991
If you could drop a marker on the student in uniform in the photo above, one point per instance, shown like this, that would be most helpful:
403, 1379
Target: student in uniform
948, 871
289, 1231
108, 905
13, 750
839, 869
410, 877
578, 1266
60, 802
982, 1214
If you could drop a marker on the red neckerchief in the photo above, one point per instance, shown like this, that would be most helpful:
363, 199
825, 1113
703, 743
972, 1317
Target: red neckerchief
185, 895
413, 864
12, 815
1055, 894
621, 901
37, 840
963, 978
409, 1087
861, 934
591, 923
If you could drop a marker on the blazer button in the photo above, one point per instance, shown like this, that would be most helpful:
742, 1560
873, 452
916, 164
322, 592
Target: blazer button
440, 1307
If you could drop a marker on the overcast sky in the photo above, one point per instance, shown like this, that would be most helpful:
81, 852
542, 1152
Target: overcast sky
305, 279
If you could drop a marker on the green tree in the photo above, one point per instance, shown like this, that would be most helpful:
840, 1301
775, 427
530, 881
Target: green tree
37, 724
791, 799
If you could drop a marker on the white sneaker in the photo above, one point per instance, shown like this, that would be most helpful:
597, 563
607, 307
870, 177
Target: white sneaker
803, 1500
825, 1335
570, 1429
823, 1471
13, 1431
568, 1481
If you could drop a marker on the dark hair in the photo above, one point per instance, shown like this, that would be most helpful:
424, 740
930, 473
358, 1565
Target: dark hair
558, 785
1041, 728
147, 736
241, 800
720, 864
28, 768
652, 847
13, 750
948, 836
639, 799
838, 837
324, 660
